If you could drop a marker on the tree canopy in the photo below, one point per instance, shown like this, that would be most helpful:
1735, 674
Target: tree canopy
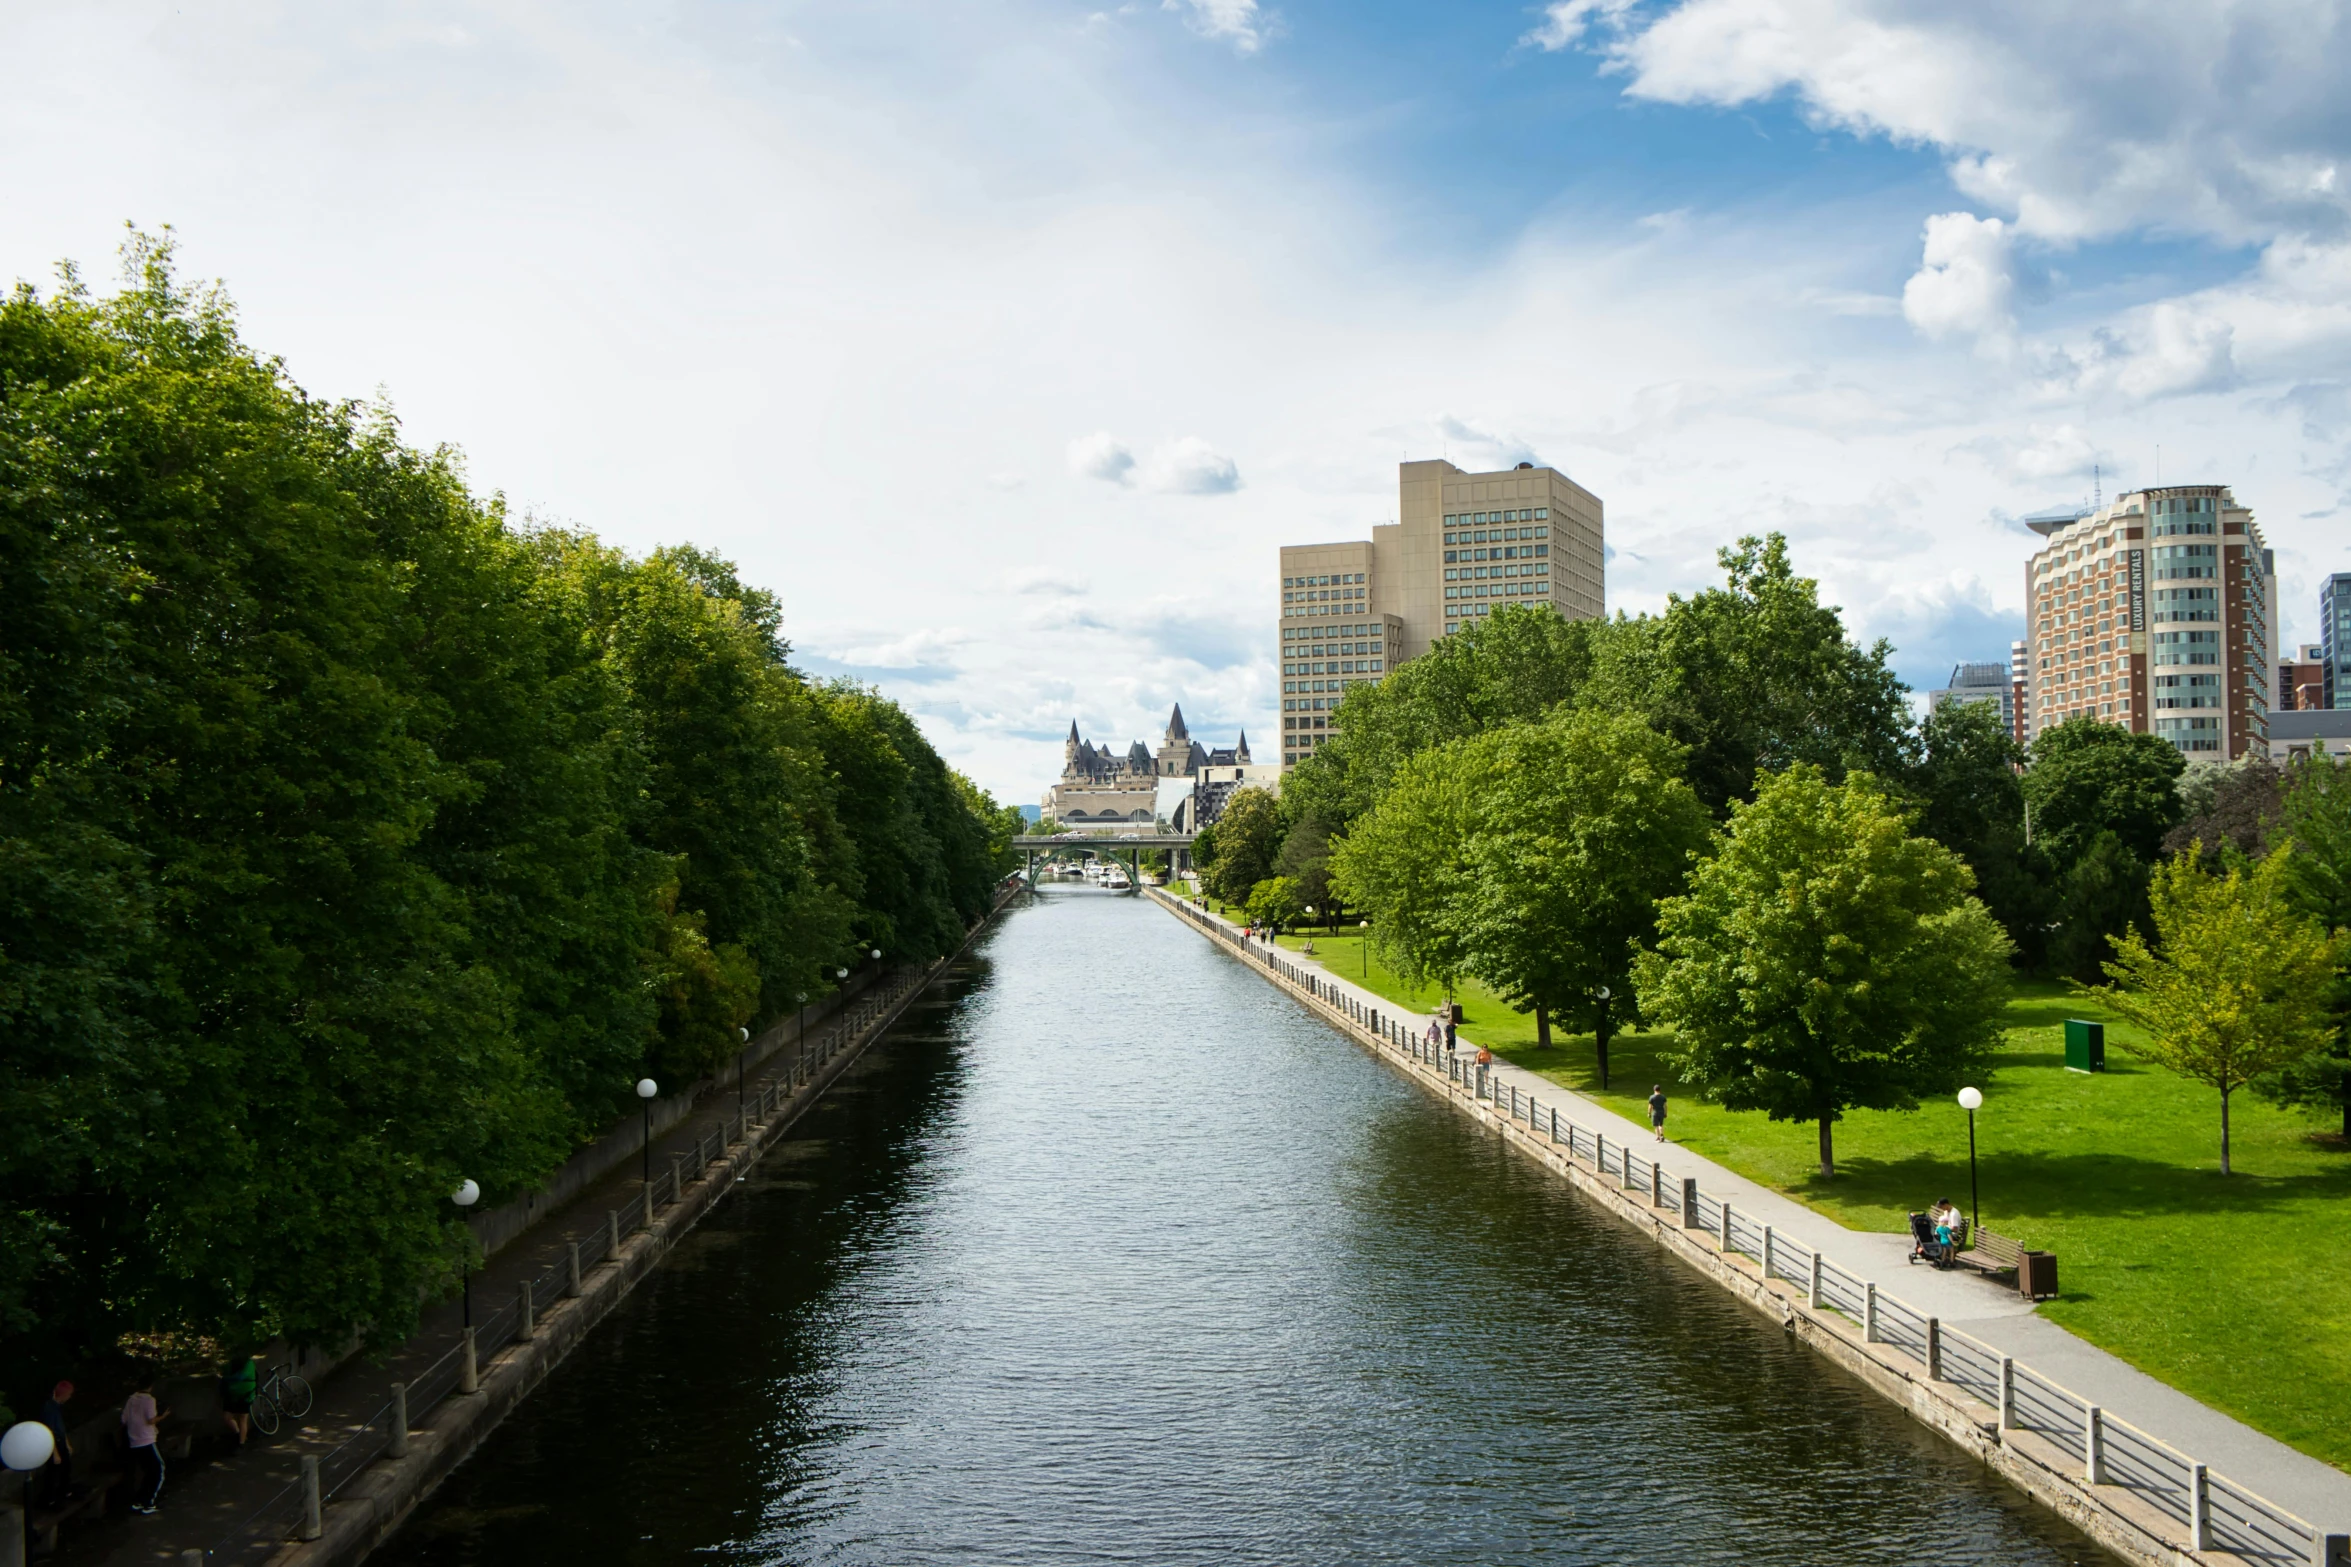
354, 841
1825, 959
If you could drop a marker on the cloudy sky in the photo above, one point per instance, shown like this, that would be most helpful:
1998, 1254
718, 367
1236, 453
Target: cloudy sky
1006, 338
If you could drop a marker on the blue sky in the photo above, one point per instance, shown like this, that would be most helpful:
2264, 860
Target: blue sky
1007, 338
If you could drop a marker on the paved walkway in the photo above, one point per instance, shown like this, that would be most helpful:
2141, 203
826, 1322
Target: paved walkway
2318, 1492
206, 1501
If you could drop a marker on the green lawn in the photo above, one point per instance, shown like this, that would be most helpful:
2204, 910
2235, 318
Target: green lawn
2234, 1289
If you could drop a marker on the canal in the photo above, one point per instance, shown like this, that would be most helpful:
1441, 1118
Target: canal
1113, 1254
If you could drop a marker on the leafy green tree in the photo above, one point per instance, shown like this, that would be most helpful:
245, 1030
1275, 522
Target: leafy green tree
1408, 861
1584, 824
1275, 902
2237, 809
2315, 825
1753, 677
2102, 895
1971, 801
2089, 777
1248, 838
1825, 959
1510, 667
2240, 985
1305, 858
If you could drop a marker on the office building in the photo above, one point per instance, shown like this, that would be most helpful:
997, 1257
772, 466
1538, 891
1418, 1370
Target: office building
2302, 681
2319, 732
2156, 612
1462, 544
2334, 631
2020, 660
1986, 683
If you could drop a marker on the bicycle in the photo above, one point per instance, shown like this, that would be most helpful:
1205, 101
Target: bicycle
284, 1393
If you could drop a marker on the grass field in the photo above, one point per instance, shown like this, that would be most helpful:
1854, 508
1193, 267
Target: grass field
2234, 1289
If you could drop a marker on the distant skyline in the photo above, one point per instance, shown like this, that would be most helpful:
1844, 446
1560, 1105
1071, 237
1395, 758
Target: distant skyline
1007, 339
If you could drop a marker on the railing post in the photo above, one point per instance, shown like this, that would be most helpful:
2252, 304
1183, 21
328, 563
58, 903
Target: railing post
677, 1184
397, 1447
574, 1284
613, 1214
527, 1324
1725, 1246
2007, 1393
1689, 1202
2199, 1510
2331, 1550
1767, 1254
2093, 1445
469, 1377
1600, 1154
1656, 1184
1815, 1298
191, 1557
1934, 1349
313, 1523
1869, 1313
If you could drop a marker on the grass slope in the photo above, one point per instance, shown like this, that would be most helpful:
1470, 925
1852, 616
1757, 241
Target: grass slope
2236, 1290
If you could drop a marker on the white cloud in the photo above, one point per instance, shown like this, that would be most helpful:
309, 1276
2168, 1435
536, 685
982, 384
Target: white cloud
1966, 280
1190, 466
1102, 456
1238, 22
1567, 23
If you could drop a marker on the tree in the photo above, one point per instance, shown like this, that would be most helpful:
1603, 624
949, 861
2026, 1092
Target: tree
2316, 832
2236, 806
1306, 860
1585, 824
1825, 959
1753, 677
2240, 985
2089, 777
1274, 902
1971, 801
2102, 895
1248, 837
1408, 861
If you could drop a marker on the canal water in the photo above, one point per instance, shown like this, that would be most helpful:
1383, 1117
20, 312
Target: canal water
1113, 1254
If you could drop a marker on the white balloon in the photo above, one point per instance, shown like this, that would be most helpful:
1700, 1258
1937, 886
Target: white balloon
1971, 1099
647, 1088
28, 1445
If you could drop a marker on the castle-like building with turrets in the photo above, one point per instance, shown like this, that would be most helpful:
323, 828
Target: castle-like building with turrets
1171, 789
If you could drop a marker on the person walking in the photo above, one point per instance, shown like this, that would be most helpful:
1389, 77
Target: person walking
1657, 1110
57, 1479
236, 1397
140, 1417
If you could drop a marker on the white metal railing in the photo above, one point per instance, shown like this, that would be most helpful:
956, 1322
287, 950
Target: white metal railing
2216, 1513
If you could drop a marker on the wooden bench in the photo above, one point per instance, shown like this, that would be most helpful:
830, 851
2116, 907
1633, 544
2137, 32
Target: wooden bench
1992, 1254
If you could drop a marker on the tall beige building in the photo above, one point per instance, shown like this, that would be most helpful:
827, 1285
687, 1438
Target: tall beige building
2155, 612
1462, 543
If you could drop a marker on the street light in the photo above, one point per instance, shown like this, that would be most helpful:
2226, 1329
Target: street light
646, 1089
1364, 925
27, 1446
745, 1044
877, 954
1600, 1033
465, 1197
1971, 1100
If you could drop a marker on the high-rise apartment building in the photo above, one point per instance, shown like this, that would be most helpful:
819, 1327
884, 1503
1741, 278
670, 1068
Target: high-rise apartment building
2020, 685
1462, 544
1985, 683
2334, 632
2156, 612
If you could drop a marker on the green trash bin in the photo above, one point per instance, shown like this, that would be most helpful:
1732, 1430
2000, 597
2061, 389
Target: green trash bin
2085, 1045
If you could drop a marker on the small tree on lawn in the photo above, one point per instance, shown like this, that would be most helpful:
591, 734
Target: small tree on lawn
1586, 824
2241, 984
1274, 902
1825, 959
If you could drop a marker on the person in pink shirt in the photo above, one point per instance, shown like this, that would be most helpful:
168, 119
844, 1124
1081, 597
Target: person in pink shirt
140, 1417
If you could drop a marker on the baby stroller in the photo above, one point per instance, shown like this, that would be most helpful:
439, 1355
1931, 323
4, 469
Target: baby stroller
1923, 1245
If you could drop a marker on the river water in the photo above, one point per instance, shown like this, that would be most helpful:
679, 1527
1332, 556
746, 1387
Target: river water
1111, 1253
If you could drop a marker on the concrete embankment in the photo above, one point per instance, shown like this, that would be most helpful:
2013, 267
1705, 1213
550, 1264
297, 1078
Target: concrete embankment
2140, 1524
369, 1508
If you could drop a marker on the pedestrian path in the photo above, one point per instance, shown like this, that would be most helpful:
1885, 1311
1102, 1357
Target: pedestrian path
2316, 1491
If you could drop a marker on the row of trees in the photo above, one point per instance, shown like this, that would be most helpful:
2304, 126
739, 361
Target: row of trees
1722, 818
354, 840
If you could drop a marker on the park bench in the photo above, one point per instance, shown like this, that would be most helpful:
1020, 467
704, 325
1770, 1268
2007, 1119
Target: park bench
91, 1503
1992, 1254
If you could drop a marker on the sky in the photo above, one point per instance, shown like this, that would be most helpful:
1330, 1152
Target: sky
1006, 339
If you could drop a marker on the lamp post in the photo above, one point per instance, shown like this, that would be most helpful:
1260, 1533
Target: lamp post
1365, 927
466, 1195
1971, 1100
646, 1089
743, 1045
1310, 911
800, 1032
1600, 1033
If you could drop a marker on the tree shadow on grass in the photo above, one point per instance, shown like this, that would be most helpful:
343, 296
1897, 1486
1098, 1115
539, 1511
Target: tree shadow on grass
2029, 1186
